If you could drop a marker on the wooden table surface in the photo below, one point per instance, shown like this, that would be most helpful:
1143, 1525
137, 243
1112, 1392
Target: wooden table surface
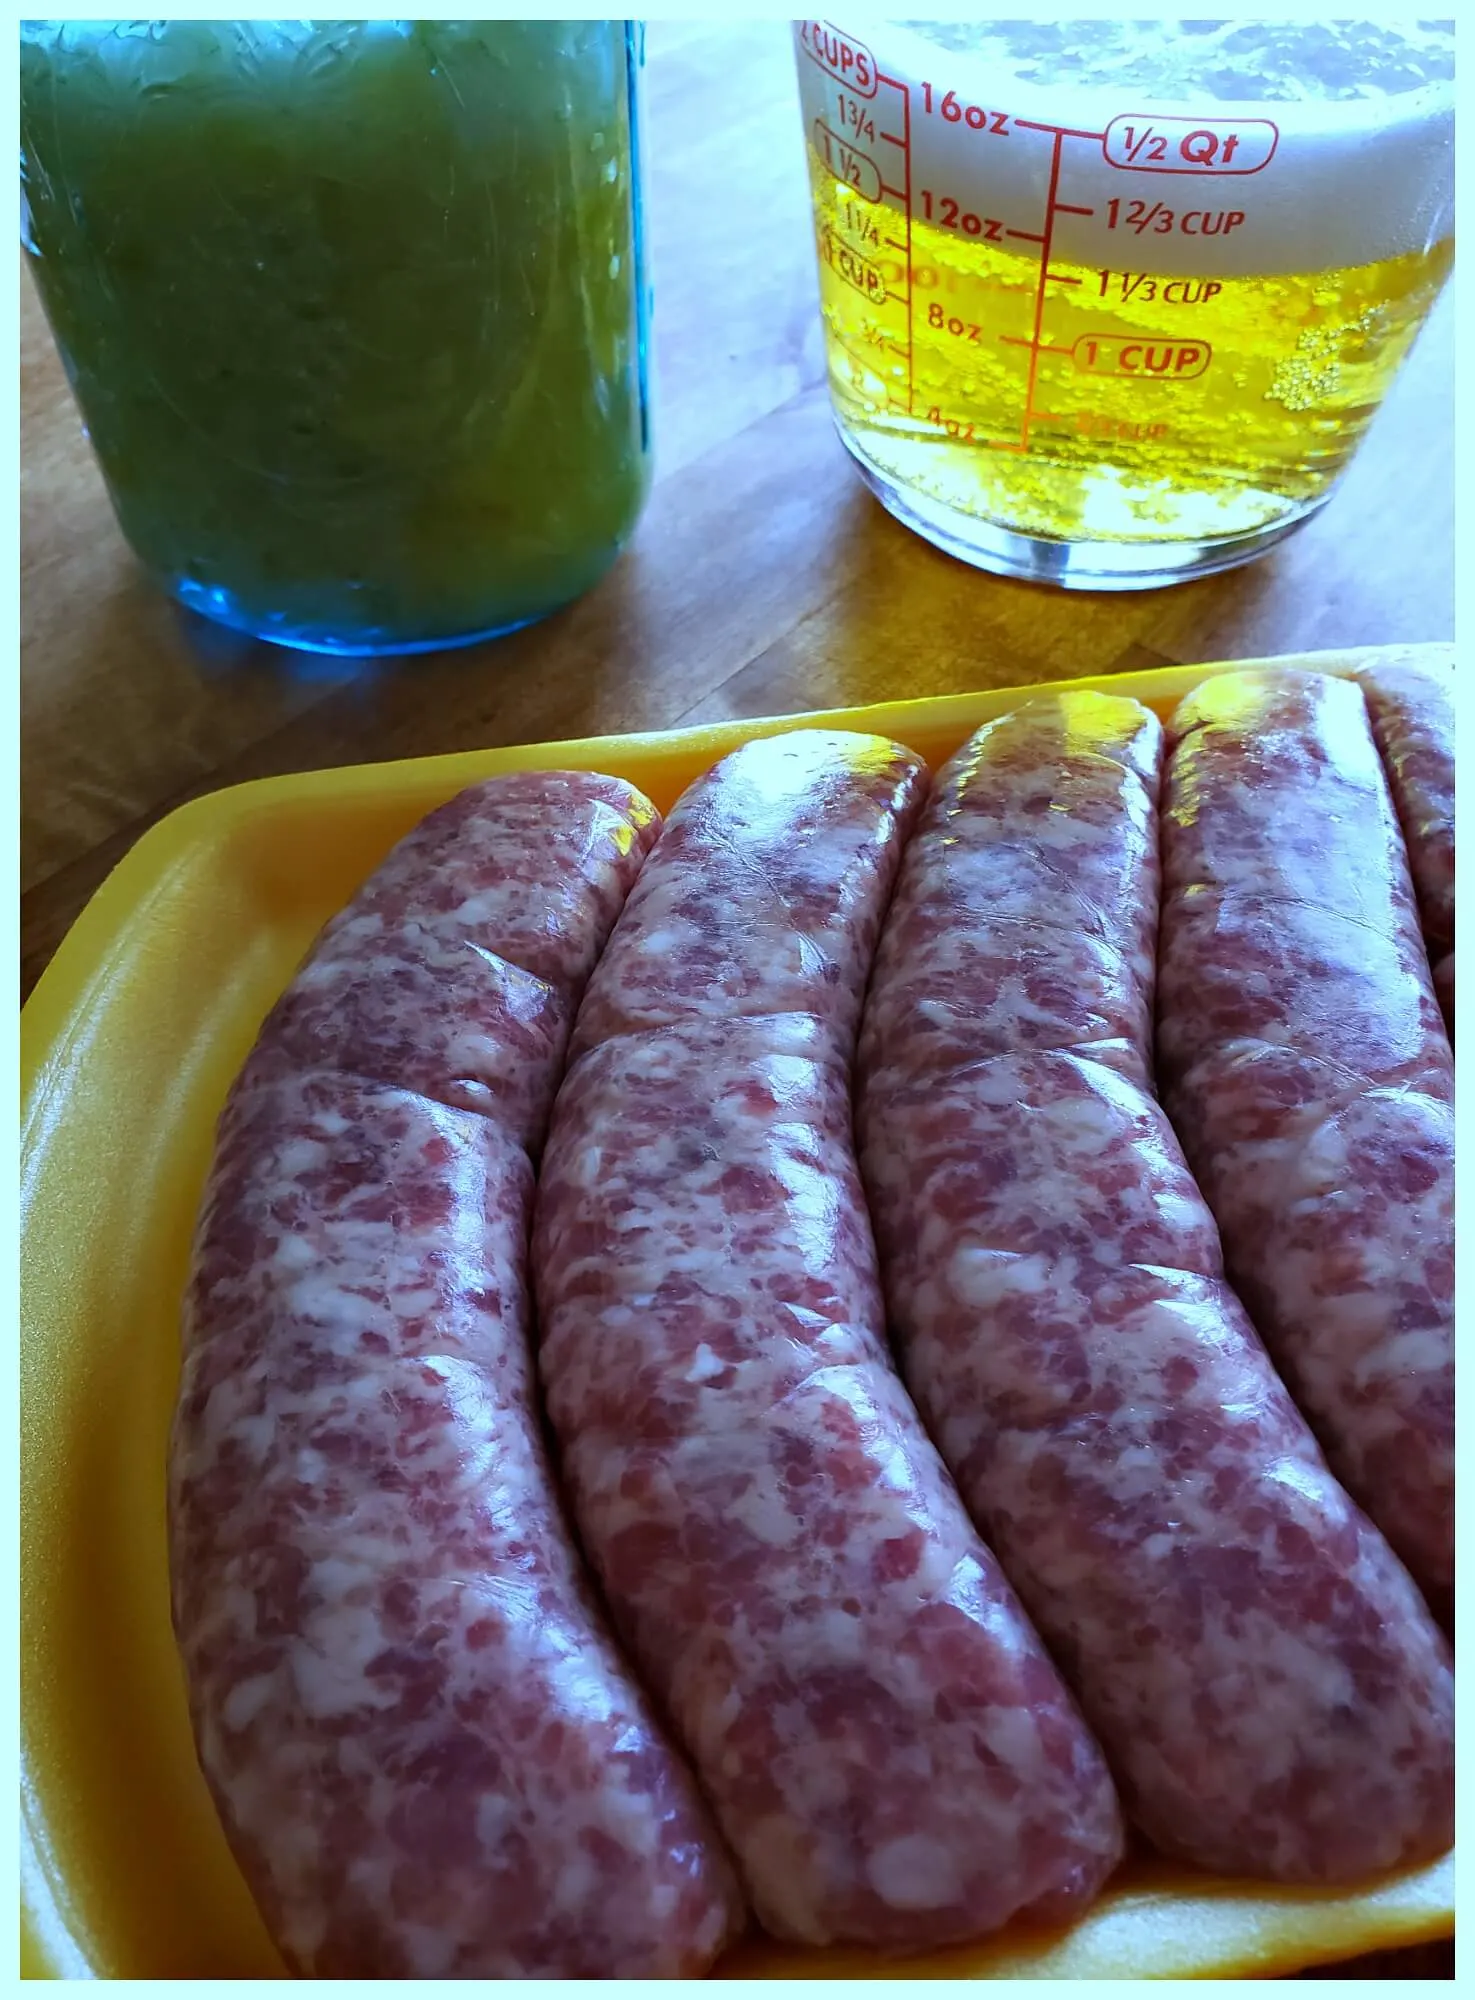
763, 578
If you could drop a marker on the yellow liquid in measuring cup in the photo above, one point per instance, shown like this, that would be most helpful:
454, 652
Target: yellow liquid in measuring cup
1300, 363
1076, 342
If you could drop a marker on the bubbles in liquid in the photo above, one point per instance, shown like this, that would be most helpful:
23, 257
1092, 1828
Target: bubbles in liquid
1323, 62
1074, 344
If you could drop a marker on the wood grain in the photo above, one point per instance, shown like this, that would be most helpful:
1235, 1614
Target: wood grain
763, 578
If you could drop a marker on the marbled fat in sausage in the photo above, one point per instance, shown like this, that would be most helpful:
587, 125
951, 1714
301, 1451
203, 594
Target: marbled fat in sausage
428, 1754
1311, 1082
1412, 706
1265, 1679
888, 1748
768, 899
457, 968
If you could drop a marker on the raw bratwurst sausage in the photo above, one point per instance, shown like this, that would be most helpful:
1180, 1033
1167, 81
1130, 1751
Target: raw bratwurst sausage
427, 1753
1310, 1079
889, 1750
1268, 1685
1413, 715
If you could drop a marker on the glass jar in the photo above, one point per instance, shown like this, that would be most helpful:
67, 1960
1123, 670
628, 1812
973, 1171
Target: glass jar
355, 311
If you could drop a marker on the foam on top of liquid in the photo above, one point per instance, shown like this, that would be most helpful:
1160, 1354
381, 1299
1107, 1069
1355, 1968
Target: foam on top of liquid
1361, 116
1227, 61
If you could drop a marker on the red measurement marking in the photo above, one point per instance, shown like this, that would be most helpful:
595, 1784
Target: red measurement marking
858, 271
1053, 206
847, 163
846, 59
1034, 358
1141, 360
905, 143
998, 444
1188, 146
892, 243
1065, 131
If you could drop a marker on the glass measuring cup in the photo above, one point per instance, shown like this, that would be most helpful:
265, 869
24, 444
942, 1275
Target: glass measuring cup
1111, 304
355, 311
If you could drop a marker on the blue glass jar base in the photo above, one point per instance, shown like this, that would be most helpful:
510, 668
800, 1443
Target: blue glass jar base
221, 607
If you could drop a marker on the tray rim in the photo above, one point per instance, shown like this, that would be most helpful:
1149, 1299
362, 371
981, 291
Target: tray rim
56, 1013
64, 977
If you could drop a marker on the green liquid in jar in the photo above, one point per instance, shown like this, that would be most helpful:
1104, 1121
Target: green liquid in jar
355, 312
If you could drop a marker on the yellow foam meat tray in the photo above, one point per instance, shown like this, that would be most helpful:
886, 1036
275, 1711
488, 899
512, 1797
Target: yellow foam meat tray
129, 1044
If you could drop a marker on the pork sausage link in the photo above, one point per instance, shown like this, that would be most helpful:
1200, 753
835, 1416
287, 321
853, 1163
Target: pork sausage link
1413, 715
890, 1752
1267, 1683
428, 1755
1310, 1079
457, 968
773, 881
